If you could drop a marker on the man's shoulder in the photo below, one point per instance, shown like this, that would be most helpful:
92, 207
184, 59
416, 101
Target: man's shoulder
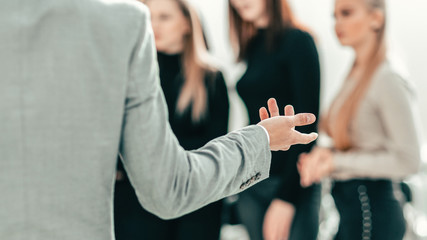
118, 7
121, 20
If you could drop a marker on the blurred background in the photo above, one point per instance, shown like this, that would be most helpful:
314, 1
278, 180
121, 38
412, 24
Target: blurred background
407, 37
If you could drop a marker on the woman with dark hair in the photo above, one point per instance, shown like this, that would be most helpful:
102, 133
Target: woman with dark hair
198, 106
372, 127
282, 62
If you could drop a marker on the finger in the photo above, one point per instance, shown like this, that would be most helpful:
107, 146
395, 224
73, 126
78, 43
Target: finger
303, 170
318, 177
302, 138
307, 181
263, 113
289, 110
314, 169
304, 182
305, 176
310, 170
273, 108
285, 148
300, 167
303, 119
301, 161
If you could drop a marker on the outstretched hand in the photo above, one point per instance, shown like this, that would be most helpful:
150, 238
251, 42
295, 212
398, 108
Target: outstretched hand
281, 129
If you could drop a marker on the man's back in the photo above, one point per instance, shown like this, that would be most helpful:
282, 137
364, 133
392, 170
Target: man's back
79, 83
64, 67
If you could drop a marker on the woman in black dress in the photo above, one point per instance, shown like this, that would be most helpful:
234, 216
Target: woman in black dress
282, 62
198, 106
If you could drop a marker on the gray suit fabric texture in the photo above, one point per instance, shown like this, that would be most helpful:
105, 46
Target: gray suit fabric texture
78, 84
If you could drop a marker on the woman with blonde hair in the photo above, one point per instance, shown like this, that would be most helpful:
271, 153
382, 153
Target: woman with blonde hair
198, 106
282, 62
372, 127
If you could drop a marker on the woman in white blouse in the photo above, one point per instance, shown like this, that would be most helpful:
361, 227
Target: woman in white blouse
371, 123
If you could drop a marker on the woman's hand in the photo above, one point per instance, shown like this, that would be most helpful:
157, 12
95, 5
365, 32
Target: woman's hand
313, 167
278, 220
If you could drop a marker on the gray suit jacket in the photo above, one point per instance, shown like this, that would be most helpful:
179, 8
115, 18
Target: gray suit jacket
79, 83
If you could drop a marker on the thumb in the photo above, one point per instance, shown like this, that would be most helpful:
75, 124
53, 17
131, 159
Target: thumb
302, 138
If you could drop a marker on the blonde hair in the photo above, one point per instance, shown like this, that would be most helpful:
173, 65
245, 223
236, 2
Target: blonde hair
338, 126
242, 32
197, 63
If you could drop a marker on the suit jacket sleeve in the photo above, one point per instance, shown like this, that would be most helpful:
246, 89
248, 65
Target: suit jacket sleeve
169, 181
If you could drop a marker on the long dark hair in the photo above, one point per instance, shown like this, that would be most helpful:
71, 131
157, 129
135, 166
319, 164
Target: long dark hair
242, 32
196, 63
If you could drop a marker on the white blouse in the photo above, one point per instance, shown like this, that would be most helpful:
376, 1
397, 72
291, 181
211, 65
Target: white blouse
384, 131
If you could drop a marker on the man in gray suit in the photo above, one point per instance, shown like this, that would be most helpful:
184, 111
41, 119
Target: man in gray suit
78, 83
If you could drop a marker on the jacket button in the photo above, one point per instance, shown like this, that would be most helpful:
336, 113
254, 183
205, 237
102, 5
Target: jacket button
258, 176
242, 186
248, 183
253, 179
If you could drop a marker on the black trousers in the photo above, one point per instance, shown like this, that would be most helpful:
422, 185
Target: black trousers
132, 222
368, 210
254, 202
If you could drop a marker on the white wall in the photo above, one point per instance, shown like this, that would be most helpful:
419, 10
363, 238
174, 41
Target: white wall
407, 34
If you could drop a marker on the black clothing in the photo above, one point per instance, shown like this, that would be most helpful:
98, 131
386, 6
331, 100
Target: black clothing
194, 135
368, 210
131, 220
291, 74
258, 199
134, 223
